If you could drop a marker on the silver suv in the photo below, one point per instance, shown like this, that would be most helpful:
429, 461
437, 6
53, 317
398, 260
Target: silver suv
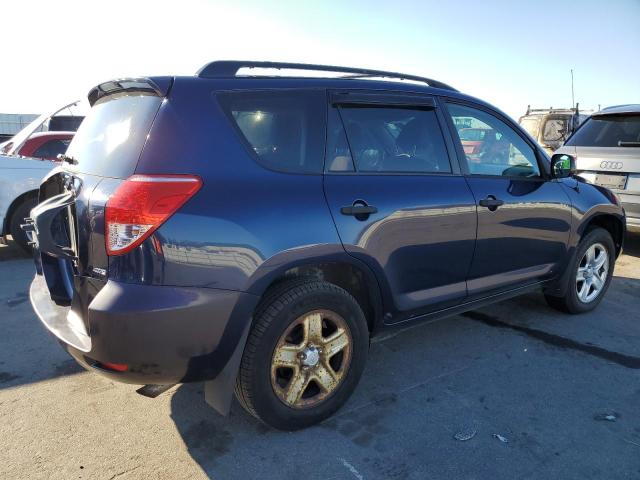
607, 152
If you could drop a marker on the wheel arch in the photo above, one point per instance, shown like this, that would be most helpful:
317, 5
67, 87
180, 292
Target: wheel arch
327, 262
336, 267
609, 222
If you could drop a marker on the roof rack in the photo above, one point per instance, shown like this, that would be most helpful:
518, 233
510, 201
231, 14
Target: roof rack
230, 68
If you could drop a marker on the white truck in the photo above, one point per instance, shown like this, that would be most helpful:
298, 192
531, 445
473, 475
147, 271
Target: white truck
550, 127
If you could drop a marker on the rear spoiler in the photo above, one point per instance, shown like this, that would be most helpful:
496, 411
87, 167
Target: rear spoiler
159, 86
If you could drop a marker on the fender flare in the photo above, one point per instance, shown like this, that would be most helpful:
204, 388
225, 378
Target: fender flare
220, 388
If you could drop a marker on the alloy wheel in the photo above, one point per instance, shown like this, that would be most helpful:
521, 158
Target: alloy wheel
592, 273
311, 359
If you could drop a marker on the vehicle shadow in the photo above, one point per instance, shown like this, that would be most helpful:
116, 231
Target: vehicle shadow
28, 353
405, 403
12, 251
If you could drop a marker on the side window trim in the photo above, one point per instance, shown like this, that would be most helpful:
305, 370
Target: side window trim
334, 118
391, 99
381, 99
462, 158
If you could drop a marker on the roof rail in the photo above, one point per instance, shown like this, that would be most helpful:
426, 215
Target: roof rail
230, 68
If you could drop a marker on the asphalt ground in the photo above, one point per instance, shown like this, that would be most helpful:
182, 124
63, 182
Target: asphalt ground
541, 394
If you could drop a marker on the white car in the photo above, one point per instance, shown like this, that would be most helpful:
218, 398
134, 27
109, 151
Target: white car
20, 179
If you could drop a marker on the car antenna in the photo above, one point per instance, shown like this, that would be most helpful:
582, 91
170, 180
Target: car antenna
573, 100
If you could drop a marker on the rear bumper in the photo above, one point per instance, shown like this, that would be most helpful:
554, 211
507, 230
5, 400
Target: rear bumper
163, 334
631, 205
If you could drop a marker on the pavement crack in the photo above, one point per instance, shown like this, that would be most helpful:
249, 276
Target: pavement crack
124, 472
627, 361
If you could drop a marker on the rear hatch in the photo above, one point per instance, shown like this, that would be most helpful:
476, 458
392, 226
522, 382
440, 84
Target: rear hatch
69, 221
607, 151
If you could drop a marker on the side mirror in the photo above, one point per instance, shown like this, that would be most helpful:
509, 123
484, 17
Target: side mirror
562, 165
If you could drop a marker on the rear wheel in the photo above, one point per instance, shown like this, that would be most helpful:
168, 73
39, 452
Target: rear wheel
17, 218
304, 355
591, 273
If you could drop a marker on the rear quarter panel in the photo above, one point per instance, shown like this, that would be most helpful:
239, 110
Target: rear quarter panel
228, 235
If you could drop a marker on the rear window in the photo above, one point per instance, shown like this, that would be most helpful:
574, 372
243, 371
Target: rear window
51, 149
607, 131
472, 134
110, 139
284, 129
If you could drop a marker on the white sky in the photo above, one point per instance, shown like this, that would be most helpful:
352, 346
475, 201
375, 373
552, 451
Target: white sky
508, 53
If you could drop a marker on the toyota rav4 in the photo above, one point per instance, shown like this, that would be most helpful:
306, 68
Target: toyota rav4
254, 230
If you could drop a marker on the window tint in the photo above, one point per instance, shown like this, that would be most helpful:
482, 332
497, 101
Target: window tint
501, 151
285, 129
399, 140
51, 149
607, 131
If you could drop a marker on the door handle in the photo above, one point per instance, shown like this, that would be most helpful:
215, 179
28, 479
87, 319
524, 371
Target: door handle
359, 209
491, 202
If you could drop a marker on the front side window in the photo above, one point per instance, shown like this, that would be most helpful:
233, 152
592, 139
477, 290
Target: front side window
500, 152
393, 140
285, 129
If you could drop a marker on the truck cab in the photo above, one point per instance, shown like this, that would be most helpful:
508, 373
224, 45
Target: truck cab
551, 127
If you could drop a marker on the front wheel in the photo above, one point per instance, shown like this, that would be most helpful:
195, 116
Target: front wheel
590, 275
304, 356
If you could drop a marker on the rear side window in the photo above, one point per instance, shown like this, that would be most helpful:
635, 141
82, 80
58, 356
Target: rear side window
608, 131
110, 139
393, 140
285, 129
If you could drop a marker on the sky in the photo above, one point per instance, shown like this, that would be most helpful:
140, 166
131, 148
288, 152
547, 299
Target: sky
509, 53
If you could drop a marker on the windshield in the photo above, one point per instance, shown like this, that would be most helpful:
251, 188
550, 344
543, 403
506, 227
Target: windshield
530, 124
555, 130
472, 134
607, 131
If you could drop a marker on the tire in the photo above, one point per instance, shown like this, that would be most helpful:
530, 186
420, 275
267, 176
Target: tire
287, 321
572, 302
17, 218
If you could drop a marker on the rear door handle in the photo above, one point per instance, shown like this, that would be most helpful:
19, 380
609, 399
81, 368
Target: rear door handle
491, 202
358, 210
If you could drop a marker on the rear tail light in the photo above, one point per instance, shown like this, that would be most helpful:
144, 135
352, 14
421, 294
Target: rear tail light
141, 204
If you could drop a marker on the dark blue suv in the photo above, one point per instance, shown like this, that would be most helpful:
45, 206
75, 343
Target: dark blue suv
255, 231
